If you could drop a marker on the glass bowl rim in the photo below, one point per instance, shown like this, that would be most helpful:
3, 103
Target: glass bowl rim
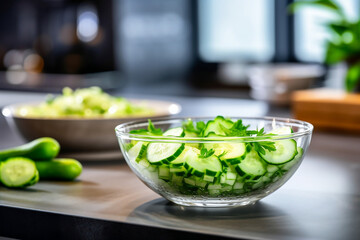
121, 133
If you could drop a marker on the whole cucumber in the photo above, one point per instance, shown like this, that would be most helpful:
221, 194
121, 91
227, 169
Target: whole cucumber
59, 169
44, 148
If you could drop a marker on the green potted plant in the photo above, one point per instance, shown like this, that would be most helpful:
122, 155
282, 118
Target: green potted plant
344, 43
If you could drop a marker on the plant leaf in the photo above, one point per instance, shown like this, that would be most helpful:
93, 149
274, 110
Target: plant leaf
139, 131
327, 4
338, 28
352, 77
200, 126
336, 53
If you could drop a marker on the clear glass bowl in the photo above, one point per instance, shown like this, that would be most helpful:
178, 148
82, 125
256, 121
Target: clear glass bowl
190, 189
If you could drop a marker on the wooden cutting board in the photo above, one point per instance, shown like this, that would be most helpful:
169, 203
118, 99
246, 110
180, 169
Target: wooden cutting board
328, 109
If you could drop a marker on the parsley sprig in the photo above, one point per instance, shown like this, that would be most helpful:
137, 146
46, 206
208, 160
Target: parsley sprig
239, 129
205, 153
151, 130
198, 128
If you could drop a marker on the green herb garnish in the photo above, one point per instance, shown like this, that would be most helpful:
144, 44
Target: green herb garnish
151, 130
204, 153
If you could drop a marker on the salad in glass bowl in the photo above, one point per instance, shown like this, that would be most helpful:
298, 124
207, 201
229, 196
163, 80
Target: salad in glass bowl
214, 162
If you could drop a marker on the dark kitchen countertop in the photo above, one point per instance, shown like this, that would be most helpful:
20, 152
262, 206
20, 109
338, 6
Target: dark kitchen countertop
321, 201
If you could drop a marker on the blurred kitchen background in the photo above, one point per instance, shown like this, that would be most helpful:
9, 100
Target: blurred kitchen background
229, 48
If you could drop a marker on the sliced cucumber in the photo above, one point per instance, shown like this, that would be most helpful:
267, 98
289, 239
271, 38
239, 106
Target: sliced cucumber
200, 167
232, 153
285, 151
176, 132
163, 153
225, 168
252, 166
137, 152
164, 173
18, 172
189, 152
189, 134
216, 126
298, 156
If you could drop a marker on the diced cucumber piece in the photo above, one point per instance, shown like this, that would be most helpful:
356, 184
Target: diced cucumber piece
190, 181
226, 188
271, 168
209, 178
223, 178
164, 173
214, 192
200, 183
177, 180
145, 163
176, 132
152, 168
18, 172
214, 186
163, 153
231, 175
238, 185
230, 181
251, 166
177, 169
285, 151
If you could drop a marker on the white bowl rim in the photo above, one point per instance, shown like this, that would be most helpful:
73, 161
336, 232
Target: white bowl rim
121, 133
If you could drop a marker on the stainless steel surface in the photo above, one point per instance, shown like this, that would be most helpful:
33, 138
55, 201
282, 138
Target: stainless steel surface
321, 201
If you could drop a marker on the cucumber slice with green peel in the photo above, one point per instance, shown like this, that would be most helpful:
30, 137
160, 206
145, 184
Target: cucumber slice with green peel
176, 132
163, 153
285, 151
252, 166
231, 153
210, 166
189, 134
282, 130
216, 126
18, 172
228, 151
138, 151
291, 163
189, 152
